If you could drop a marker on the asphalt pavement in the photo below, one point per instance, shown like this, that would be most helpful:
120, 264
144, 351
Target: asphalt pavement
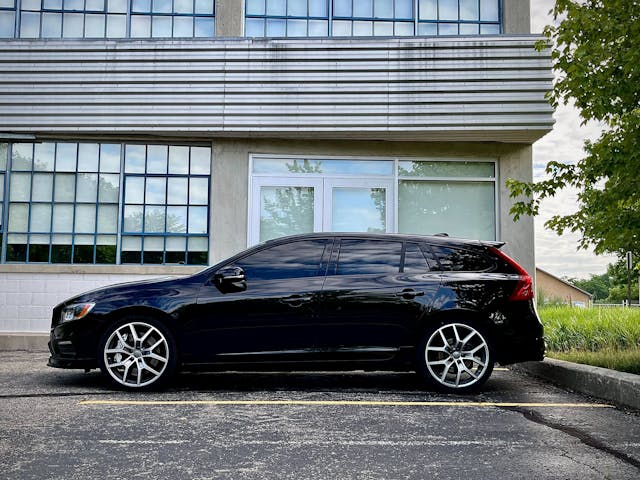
59, 424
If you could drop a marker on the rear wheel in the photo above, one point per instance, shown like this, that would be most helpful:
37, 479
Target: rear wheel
455, 356
137, 353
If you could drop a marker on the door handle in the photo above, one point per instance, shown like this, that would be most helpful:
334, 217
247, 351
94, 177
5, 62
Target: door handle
296, 301
410, 293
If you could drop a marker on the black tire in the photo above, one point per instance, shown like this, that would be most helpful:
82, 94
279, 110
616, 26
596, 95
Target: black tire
462, 364
138, 353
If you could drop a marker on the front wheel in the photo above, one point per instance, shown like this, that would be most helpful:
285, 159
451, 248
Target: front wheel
137, 353
455, 357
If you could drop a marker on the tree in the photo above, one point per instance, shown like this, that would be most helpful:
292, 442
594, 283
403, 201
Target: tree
596, 56
597, 285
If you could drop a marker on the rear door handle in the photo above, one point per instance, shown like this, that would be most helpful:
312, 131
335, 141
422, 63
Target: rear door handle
410, 293
296, 300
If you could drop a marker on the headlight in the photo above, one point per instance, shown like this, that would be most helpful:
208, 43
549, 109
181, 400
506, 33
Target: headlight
76, 311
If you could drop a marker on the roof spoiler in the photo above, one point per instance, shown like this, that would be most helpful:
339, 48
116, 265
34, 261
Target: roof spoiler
497, 245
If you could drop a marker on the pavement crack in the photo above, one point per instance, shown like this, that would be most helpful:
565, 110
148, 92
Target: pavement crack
578, 434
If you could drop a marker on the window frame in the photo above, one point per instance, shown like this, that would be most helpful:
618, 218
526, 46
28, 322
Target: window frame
279, 178
119, 234
416, 20
128, 13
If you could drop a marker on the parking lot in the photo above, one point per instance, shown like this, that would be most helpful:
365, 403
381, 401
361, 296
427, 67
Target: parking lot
68, 424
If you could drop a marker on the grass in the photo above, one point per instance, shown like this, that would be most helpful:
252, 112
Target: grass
620, 360
603, 337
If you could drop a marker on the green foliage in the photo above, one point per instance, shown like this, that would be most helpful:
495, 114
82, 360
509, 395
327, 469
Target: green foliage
596, 55
590, 329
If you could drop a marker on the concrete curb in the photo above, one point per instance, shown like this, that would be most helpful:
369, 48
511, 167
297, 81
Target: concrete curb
31, 342
616, 387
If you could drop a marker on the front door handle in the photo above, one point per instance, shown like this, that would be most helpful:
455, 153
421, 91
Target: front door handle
410, 293
296, 300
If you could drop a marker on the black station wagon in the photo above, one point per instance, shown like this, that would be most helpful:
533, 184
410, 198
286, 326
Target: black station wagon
446, 308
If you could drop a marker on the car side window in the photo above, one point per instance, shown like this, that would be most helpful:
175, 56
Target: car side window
415, 260
288, 260
368, 256
462, 260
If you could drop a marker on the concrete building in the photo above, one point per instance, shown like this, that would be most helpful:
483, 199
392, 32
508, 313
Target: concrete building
146, 138
555, 289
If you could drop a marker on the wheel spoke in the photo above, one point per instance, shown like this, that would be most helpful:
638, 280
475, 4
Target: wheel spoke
468, 337
147, 367
444, 339
156, 357
475, 360
155, 345
120, 363
458, 374
116, 350
455, 332
469, 371
437, 349
440, 362
133, 333
474, 350
147, 333
139, 377
445, 372
126, 372
121, 338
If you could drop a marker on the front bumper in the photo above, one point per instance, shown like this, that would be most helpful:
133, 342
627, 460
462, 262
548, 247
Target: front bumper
73, 345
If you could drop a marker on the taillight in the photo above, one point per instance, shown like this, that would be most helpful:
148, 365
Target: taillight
524, 287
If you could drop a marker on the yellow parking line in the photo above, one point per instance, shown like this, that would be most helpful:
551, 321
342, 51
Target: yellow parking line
501, 369
340, 403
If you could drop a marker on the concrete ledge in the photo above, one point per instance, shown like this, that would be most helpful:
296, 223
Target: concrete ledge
31, 342
617, 387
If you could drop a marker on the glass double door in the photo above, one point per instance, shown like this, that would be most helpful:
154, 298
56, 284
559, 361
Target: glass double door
288, 206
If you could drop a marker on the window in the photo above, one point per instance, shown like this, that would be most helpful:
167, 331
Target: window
166, 204
347, 18
459, 17
64, 203
368, 256
457, 198
289, 260
107, 18
459, 260
415, 261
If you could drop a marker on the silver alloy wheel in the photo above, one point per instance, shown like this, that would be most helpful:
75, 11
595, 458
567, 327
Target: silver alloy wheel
457, 355
136, 354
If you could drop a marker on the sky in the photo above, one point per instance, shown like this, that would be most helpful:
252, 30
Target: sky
560, 255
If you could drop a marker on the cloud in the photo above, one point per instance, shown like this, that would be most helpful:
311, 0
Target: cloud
559, 254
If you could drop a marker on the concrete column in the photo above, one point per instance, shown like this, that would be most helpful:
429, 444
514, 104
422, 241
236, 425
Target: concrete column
229, 198
516, 162
516, 16
229, 18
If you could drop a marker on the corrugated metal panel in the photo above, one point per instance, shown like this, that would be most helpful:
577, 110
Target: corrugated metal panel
483, 88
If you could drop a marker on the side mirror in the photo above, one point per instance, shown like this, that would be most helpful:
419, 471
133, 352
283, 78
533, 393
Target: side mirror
230, 279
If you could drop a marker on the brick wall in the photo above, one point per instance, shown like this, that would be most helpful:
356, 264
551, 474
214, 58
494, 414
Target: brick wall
26, 299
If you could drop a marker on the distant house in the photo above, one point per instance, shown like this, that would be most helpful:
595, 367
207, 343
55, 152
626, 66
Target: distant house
555, 289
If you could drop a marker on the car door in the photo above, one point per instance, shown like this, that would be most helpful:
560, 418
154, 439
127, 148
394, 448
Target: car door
266, 316
374, 295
